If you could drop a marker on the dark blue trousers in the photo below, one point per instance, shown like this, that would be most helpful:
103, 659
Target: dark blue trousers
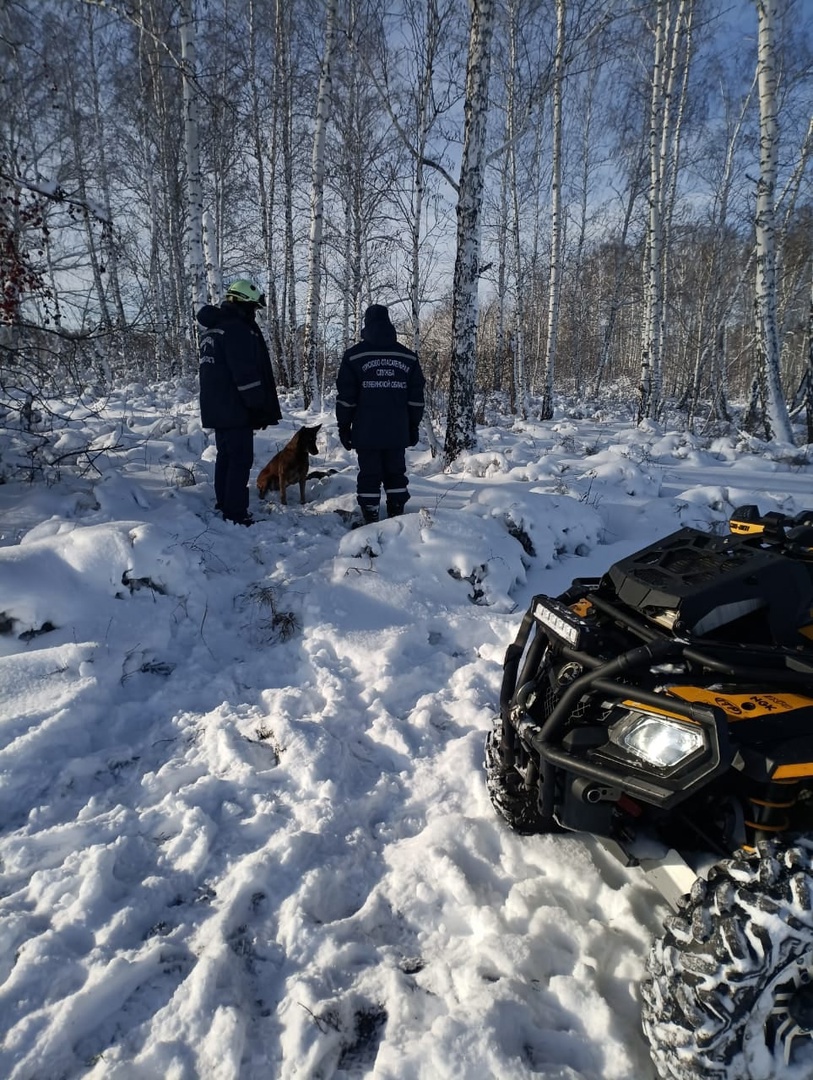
382, 468
235, 456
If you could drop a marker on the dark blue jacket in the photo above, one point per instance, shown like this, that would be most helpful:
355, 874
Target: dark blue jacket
380, 391
237, 388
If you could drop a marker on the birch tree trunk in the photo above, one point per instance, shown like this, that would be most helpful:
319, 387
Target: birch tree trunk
310, 387
283, 102
672, 48
168, 295
194, 188
460, 424
350, 124
519, 373
111, 254
431, 42
680, 53
266, 187
503, 234
555, 280
650, 357
77, 137
582, 316
777, 421
719, 305
617, 280
214, 273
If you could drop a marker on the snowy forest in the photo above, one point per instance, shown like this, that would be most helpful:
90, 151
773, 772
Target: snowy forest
247, 825
599, 198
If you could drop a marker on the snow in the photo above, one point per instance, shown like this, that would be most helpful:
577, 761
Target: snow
244, 828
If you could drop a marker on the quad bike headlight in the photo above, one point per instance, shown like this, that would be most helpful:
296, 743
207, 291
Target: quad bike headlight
662, 741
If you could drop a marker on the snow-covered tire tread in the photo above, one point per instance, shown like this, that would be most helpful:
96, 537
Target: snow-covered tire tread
735, 935
515, 804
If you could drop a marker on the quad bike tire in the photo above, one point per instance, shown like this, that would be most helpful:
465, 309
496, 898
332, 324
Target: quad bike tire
517, 805
730, 988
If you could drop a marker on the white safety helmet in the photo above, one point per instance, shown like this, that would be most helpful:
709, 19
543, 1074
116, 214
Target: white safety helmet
245, 292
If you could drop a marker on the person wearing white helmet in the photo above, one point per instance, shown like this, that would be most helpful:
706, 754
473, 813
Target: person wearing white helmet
238, 394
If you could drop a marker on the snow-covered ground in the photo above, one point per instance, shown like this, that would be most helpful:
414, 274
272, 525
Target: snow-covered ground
244, 828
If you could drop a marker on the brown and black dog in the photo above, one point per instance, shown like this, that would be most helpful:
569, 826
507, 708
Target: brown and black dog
290, 465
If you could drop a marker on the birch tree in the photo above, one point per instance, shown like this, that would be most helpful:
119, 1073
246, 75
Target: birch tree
310, 388
366, 177
194, 189
777, 421
428, 103
678, 69
636, 170
161, 138
555, 279
711, 348
214, 272
518, 374
100, 132
501, 341
460, 426
257, 124
582, 318
352, 181
283, 105
431, 25
171, 134
672, 43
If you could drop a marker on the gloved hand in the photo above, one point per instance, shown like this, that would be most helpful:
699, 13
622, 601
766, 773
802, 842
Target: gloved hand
414, 435
344, 438
258, 419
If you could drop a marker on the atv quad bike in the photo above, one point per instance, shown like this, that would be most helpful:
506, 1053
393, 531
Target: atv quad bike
667, 708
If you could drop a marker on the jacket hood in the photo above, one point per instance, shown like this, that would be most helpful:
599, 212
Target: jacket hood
217, 314
381, 333
209, 315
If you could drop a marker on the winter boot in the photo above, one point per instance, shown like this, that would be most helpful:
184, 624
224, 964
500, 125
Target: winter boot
370, 514
394, 509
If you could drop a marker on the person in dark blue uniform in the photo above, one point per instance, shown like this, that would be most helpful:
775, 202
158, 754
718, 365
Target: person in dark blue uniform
379, 407
238, 394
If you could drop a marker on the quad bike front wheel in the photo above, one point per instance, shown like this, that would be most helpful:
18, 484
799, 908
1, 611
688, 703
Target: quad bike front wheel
514, 802
730, 988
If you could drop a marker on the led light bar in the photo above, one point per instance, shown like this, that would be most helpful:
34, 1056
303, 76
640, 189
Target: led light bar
560, 620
